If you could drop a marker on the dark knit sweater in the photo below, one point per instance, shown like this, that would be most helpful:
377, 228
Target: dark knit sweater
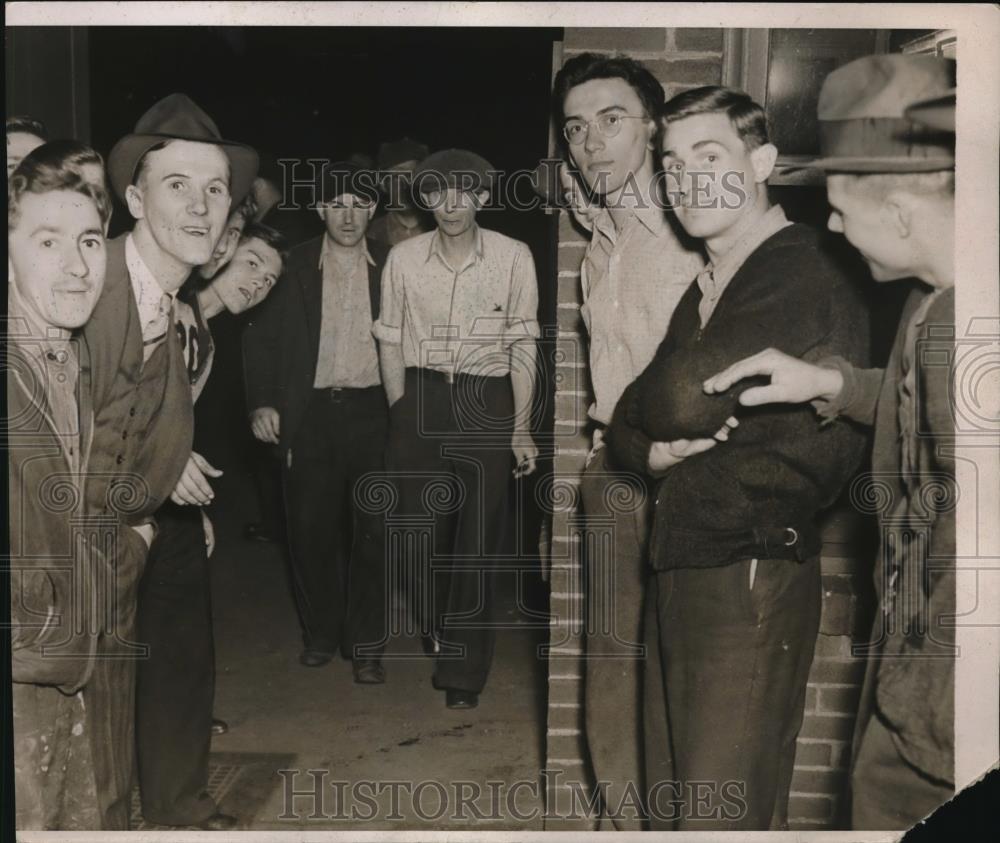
781, 466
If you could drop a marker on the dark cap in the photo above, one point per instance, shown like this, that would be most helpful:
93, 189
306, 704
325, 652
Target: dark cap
342, 177
392, 153
453, 168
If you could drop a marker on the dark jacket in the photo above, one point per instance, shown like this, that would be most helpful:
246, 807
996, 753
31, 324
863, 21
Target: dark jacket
135, 486
911, 675
52, 578
281, 344
742, 498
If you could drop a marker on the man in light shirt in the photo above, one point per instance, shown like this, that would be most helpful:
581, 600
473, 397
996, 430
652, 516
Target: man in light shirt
635, 270
457, 330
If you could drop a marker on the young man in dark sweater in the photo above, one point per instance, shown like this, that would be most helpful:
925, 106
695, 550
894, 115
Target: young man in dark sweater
735, 595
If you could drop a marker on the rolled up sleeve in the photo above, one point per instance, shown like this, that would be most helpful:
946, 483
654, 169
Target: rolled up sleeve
522, 311
388, 328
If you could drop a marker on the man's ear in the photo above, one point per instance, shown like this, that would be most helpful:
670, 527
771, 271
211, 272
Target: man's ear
482, 197
371, 210
897, 214
762, 159
651, 136
133, 198
10, 269
321, 210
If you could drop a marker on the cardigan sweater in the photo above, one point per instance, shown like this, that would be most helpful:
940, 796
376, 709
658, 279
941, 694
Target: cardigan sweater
759, 494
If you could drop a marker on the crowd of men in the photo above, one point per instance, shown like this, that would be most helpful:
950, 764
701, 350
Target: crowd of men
403, 348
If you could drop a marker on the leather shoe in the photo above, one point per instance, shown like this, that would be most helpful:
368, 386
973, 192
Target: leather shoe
218, 822
368, 672
219, 727
314, 658
457, 698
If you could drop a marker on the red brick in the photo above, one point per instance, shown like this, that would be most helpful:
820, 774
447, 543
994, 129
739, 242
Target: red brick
569, 290
570, 257
687, 71
565, 718
624, 39
564, 746
578, 441
839, 607
843, 700
692, 38
572, 379
570, 351
566, 692
572, 408
809, 754
827, 728
571, 231
810, 808
569, 319
833, 646
837, 671
569, 463
811, 696
832, 782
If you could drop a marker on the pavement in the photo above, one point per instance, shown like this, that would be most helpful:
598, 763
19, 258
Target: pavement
383, 757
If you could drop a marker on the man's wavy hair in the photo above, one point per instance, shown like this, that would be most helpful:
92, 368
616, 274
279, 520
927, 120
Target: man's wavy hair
588, 66
746, 116
56, 166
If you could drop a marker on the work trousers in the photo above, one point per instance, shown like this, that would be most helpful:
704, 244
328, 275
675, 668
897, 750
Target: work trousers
450, 456
735, 659
617, 515
175, 684
337, 543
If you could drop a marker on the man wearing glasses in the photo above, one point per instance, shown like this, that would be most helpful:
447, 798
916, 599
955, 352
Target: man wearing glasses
635, 270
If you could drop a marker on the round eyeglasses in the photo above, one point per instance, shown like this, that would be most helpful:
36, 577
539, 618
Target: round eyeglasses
609, 125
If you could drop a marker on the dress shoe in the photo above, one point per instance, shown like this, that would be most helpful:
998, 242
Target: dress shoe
219, 727
368, 672
256, 532
457, 698
218, 822
314, 658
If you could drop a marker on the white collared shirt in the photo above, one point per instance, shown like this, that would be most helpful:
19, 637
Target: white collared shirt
146, 289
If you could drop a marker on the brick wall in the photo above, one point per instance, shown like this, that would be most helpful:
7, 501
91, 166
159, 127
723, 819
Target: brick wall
680, 59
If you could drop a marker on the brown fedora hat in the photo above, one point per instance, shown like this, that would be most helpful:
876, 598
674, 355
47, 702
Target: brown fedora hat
177, 117
863, 122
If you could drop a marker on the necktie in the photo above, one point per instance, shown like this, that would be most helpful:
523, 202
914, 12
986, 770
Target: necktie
155, 330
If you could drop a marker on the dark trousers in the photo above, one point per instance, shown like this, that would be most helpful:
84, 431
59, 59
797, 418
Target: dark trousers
337, 547
175, 685
615, 566
735, 661
266, 467
450, 452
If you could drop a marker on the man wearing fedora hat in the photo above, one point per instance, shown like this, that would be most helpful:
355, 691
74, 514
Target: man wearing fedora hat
457, 329
889, 161
178, 177
315, 390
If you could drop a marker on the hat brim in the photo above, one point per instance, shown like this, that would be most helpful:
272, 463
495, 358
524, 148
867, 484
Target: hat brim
859, 164
125, 156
